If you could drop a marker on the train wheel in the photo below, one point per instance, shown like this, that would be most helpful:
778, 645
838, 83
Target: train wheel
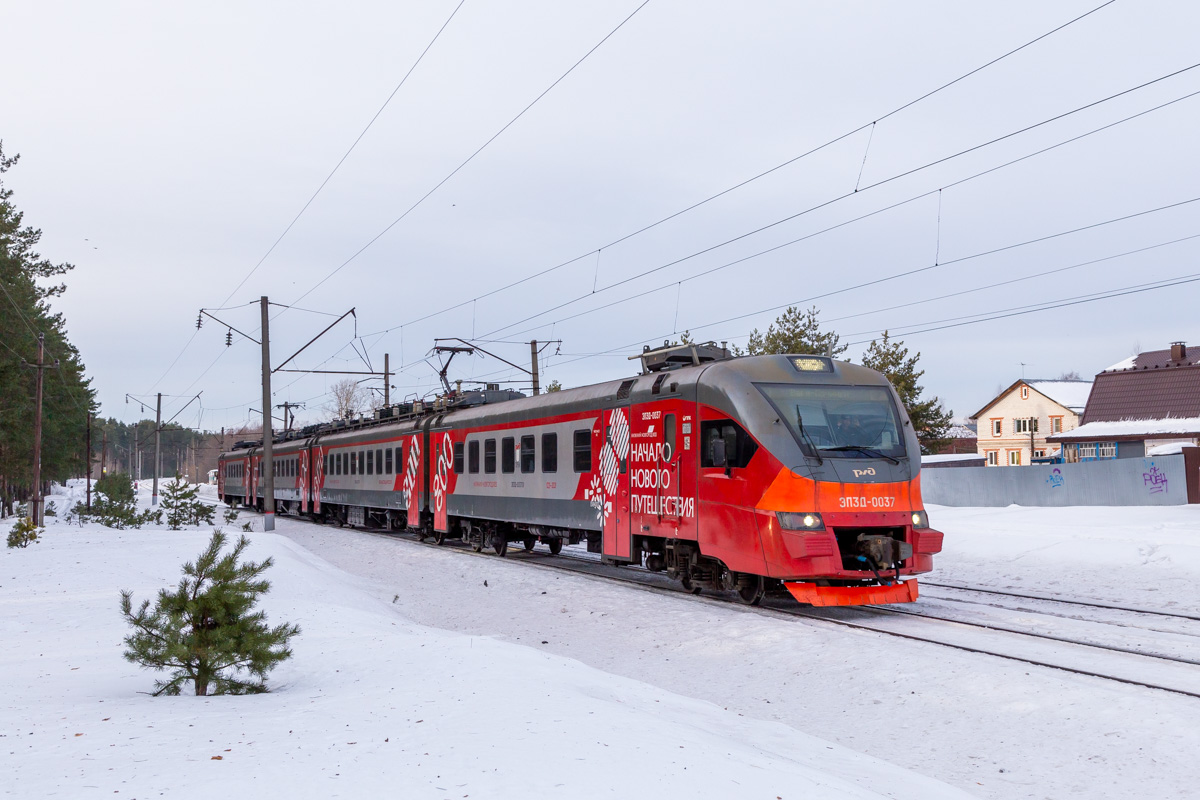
477, 542
686, 580
529, 542
499, 544
753, 591
555, 546
439, 538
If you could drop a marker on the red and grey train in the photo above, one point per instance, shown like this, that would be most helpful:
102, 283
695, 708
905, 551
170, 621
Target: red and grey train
730, 473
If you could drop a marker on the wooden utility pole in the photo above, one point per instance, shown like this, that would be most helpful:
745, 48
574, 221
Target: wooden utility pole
35, 512
267, 470
88, 468
157, 450
533, 354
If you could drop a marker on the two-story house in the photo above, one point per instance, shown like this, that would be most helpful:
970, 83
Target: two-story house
1013, 427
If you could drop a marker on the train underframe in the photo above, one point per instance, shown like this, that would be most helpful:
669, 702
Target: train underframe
882, 551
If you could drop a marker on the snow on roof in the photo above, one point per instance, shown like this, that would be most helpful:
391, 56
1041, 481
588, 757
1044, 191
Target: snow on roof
961, 432
1183, 426
1126, 363
1166, 449
951, 457
1069, 394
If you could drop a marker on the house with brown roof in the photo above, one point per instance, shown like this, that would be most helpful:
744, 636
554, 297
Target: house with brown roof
1013, 428
1148, 404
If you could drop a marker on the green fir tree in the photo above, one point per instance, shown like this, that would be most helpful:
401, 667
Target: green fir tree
207, 632
795, 331
929, 419
182, 505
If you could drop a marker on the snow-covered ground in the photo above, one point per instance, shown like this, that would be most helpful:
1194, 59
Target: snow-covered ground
1126, 555
373, 704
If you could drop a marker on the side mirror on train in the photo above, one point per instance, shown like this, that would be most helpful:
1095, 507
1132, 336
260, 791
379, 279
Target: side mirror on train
718, 453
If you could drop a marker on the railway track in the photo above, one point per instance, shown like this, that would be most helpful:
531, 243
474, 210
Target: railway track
1060, 600
1156, 671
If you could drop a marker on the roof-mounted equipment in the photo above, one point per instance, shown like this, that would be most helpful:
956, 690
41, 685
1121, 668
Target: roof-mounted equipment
674, 356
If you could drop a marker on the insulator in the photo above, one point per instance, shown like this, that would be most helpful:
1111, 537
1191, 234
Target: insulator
199, 320
229, 338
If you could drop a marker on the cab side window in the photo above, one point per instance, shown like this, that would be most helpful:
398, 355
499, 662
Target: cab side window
739, 447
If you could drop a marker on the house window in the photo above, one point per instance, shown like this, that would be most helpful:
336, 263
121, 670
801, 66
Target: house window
1106, 450
489, 456
993, 458
1039, 453
1056, 424
528, 454
458, 458
473, 456
1087, 450
997, 427
508, 454
549, 452
1024, 392
583, 450
1024, 425
1014, 458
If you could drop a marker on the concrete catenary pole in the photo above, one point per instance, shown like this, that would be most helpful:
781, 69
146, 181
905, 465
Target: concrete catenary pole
534, 369
157, 450
387, 381
267, 468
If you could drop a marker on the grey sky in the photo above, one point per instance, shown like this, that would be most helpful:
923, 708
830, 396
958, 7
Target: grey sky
165, 147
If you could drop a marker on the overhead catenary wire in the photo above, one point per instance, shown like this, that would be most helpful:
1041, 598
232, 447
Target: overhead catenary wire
828, 229
745, 182
841, 197
473, 155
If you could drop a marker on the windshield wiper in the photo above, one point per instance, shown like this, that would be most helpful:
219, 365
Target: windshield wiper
867, 451
808, 439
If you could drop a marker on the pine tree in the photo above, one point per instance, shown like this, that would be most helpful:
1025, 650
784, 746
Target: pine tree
929, 419
207, 631
795, 331
180, 501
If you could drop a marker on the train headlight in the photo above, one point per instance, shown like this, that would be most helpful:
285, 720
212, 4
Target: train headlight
920, 519
801, 521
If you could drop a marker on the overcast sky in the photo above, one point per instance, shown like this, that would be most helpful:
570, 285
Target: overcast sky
165, 147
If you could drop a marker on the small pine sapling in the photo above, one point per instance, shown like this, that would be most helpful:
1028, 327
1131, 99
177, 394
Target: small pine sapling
23, 533
182, 504
230, 514
207, 632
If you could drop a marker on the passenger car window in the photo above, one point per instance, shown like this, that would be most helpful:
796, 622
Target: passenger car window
528, 454
489, 456
370, 462
473, 456
739, 447
508, 454
458, 458
583, 450
549, 452
387, 460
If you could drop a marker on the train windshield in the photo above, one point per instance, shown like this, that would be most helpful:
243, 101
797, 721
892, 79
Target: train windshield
839, 421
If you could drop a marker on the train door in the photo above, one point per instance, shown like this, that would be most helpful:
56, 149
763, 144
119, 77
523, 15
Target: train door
662, 488
317, 471
302, 471
614, 478
441, 455
252, 477
412, 480
726, 494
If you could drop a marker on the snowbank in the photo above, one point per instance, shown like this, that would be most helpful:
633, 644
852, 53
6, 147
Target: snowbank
371, 705
1145, 556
